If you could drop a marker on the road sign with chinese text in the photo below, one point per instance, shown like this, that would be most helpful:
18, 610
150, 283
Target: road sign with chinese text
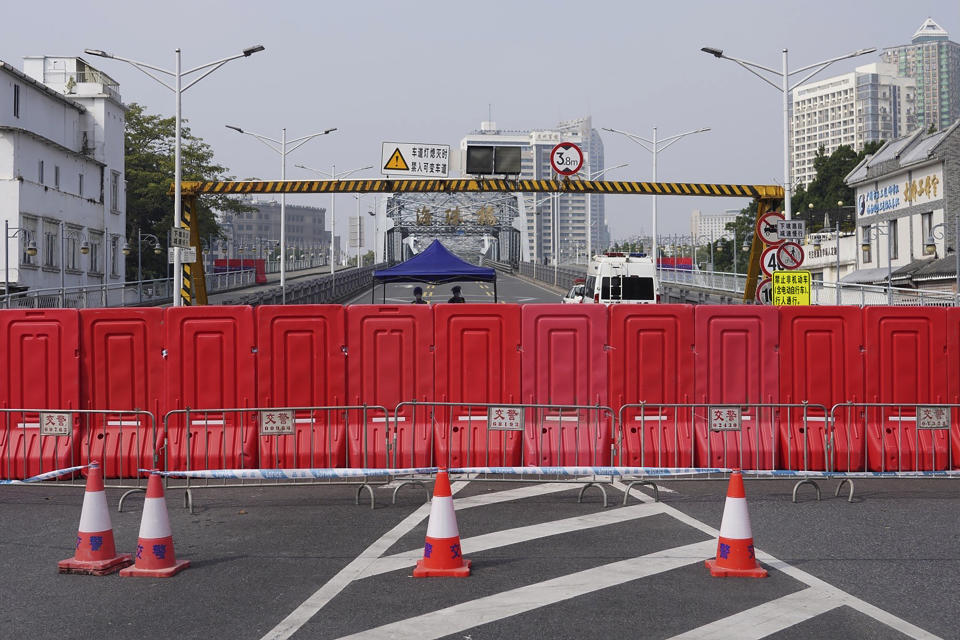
415, 159
505, 419
56, 424
179, 237
791, 229
791, 288
276, 422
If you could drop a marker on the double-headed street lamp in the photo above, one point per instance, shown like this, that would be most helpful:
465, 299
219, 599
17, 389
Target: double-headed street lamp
152, 241
280, 146
178, 76
785, 87
333, 175
655, 146
31, 249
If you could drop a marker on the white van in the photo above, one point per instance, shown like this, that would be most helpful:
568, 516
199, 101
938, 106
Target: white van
615, 278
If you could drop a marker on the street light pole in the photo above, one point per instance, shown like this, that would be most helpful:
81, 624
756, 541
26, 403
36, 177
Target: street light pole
281, 148
178, 89
784, 73
333, 220
594, 176
655, 148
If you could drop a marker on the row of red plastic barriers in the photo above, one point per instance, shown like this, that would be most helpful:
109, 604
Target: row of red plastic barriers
810, 388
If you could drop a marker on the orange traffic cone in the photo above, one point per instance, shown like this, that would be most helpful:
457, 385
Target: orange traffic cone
735, 553
96, 553
442, 556
155, 555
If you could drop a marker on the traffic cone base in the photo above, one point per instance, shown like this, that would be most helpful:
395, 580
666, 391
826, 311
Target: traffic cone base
155, 557
442, 557
736, 557
95, 553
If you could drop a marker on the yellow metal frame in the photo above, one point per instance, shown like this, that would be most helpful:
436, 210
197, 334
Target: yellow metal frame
194, 275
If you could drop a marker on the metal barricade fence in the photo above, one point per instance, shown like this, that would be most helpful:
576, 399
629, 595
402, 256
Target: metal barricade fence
876, 436
459, 434
327, 437
755, 436
35, 441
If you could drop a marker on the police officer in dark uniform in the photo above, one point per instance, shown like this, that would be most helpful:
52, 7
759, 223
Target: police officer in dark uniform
418, 296
456, 297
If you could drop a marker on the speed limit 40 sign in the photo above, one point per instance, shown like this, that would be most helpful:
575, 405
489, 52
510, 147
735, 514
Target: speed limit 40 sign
566, 158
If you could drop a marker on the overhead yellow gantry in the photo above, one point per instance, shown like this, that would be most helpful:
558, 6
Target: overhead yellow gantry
193, 277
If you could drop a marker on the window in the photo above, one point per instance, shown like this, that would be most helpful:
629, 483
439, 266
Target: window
866, 244
114, 251
40, 171
16, 101
80, 185
50, 249
70, 254
893, 239
95, 264
115, 192
926, 226
56, 177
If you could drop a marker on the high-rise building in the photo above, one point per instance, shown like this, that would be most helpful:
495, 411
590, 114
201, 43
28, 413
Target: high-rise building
569, 243
711, 226
870, 104
934, 62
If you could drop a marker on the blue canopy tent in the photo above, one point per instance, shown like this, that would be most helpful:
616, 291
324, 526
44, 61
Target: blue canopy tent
436, 265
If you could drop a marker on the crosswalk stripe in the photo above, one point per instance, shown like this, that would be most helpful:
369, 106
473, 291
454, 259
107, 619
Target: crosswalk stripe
767, 618
517, 535
474, 613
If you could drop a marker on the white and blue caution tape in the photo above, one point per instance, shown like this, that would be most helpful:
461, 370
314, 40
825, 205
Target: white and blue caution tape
572, 472
49, 475
293, 474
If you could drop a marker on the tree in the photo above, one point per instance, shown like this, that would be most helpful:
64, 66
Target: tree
828, 187
149, 156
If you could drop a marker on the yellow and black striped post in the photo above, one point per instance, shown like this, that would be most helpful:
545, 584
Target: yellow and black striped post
194, 281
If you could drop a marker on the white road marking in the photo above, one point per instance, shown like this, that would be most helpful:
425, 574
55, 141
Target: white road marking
302, 614
460, 617
810, 580
767, 618
498, 539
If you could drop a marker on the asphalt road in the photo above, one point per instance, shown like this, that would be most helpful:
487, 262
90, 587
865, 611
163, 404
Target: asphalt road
306, 562
509, 289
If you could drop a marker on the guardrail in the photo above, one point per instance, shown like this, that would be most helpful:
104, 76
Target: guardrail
822, 293
322, 289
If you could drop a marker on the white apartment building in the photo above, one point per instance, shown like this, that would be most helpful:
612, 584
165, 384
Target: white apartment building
871, 103
571, 211
711, 226
61, 174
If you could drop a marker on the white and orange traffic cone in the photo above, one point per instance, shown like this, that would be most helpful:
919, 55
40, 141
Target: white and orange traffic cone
96, 554
735, 552
155, 555
442, 556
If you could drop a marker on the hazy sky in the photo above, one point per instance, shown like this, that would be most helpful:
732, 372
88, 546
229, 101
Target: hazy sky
427, 71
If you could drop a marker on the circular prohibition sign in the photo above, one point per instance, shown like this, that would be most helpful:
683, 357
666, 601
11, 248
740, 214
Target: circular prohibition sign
566, 158
790, 255
764, 293
767, 228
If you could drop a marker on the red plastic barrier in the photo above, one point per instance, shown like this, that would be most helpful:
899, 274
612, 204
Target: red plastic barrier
301, 363
122, 370
565, 363
651, 360
389, 361
39, 369
477, 360
736, 362
953, 379
210, 365
905, 364
820, 363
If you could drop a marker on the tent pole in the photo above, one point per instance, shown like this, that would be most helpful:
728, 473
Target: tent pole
494, 291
